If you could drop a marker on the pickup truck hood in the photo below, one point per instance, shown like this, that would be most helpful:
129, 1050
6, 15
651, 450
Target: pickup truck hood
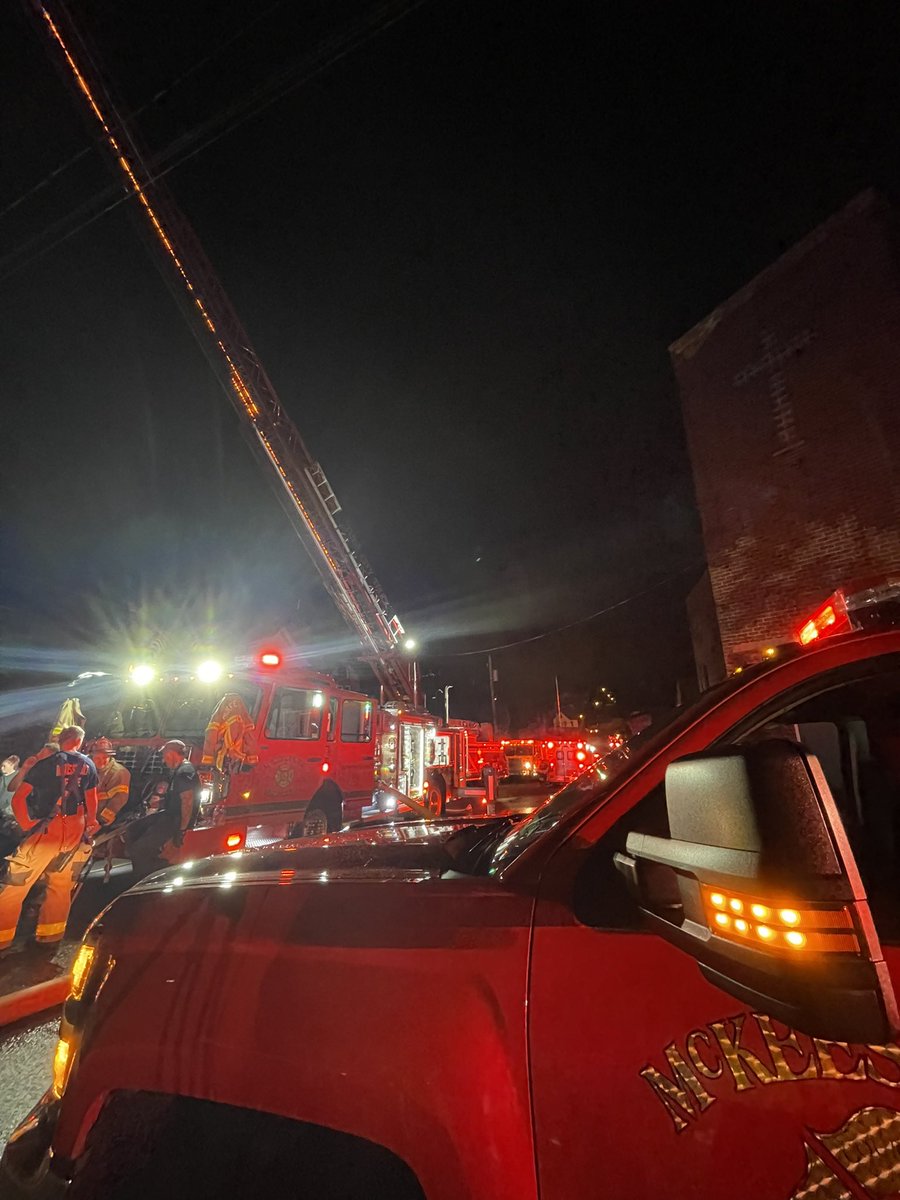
399, 851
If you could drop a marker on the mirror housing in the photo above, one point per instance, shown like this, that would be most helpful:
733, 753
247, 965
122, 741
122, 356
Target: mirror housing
757, 883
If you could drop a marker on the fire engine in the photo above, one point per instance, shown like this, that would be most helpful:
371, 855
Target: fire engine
553, 759
284, 751
704, 930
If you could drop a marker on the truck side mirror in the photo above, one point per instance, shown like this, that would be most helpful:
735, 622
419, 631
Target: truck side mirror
758, 883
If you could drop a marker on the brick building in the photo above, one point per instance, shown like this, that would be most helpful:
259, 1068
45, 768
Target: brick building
791, 400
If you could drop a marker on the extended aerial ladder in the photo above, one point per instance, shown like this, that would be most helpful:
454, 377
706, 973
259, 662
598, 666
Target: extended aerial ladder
303, 487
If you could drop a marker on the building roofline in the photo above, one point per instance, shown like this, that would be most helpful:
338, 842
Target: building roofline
689, 343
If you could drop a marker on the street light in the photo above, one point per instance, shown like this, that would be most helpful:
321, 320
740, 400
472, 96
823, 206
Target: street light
410, 645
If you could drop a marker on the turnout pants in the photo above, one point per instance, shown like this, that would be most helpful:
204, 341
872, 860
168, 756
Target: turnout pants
54, 853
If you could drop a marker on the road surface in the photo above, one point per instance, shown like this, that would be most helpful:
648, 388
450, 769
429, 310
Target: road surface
26, 1059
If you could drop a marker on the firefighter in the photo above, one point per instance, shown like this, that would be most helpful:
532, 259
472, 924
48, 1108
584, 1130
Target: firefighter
56, 806
113, 781
150, 839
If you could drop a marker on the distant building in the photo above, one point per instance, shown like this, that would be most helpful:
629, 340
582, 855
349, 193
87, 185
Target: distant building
791, 400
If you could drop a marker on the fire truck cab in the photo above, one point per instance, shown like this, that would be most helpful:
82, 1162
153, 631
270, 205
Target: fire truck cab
703, 930
305, 765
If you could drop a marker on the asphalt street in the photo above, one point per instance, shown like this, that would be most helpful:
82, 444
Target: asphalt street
26, 1058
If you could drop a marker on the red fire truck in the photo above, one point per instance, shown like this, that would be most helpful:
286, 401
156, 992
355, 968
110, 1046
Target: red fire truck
704, 930
548, 757
306, 757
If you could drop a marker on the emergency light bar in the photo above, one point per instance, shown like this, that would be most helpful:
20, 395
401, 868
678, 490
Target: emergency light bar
855, 606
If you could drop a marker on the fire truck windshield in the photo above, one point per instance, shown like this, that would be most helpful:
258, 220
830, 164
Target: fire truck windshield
190, 704
167, 708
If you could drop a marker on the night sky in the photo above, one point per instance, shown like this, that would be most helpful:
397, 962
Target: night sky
461, 250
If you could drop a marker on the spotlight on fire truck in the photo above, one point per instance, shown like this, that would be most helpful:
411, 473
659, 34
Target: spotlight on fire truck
143, 674
209, 671
410, 644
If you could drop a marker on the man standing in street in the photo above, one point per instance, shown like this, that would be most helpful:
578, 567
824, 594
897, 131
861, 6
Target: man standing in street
113, 781
56, 806
147, 840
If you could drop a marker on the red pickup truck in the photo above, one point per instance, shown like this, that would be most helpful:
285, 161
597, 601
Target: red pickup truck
676, 978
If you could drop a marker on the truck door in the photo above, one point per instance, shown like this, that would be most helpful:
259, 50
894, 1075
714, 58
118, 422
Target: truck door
356, 754
291, 749
658, 1083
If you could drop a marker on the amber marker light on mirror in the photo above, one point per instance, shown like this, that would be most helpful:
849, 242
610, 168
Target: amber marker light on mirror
62, 1065
80, 968
746, 919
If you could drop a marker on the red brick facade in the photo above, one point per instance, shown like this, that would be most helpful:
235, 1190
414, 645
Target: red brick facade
791, 399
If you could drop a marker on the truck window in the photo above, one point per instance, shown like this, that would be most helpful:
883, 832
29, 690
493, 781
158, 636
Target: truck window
296, 715
601, 897
853, 728
356, 721
851, 722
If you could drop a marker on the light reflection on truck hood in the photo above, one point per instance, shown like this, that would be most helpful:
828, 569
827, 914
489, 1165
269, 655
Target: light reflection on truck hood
405, 851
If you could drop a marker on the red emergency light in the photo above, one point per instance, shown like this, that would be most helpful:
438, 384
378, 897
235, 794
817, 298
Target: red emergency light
854, 606
270, 658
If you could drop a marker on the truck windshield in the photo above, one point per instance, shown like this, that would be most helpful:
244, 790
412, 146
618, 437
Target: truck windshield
602, 777
169, 708
190, 704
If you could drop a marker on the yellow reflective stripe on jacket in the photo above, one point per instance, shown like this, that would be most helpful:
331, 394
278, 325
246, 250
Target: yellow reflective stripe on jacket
121, 789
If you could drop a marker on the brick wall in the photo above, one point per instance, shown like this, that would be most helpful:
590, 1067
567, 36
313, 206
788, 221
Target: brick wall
791, 400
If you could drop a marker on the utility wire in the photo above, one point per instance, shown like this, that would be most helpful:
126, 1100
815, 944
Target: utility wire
329, 52
155, 99
601, 612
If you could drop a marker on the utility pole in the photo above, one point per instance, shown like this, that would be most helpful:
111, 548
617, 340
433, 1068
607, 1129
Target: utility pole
492, 676
558, 705
447, 687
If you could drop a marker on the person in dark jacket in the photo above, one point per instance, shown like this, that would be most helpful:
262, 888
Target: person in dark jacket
150, 841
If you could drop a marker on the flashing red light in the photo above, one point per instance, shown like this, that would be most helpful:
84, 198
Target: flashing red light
580, 756
550, 745
326, 767
270, 658
831, 618
234, 841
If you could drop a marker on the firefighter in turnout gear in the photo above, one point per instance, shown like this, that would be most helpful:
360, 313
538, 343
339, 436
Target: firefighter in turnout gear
113, 781
230, 738
56, 806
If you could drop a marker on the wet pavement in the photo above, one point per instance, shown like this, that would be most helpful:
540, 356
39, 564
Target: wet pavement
26, 1061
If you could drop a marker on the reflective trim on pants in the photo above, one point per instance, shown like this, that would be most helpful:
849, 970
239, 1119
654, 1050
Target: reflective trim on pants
52, 853
50, 933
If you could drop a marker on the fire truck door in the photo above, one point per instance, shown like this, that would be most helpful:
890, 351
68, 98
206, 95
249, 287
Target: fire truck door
654, 1080
291, 751
355, 752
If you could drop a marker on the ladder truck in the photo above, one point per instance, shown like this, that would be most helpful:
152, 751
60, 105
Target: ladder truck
405, 769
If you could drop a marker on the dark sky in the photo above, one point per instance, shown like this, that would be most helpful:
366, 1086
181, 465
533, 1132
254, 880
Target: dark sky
462, 251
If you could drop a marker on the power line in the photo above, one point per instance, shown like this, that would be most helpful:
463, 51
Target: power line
601, 612
329, 52
154, 100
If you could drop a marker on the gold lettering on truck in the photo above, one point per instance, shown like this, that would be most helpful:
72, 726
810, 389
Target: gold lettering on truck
743, 1052
674, 1092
